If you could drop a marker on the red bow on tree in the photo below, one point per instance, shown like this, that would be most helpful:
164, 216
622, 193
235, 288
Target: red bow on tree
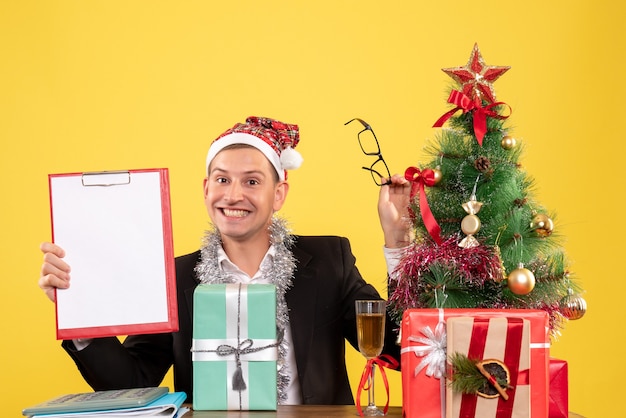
466, 104
419, 179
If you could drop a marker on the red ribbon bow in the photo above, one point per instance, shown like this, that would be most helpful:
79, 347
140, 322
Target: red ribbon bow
419, 179
466, 104
381, 361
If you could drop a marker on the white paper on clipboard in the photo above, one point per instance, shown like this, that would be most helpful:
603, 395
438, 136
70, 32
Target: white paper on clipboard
116, 230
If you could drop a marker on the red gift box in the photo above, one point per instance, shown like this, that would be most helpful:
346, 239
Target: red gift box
504, 339
559, 402
423, 362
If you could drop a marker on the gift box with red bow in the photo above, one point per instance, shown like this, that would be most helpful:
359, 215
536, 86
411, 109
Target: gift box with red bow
424, 358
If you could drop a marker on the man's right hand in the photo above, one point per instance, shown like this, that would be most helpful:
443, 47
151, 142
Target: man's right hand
393, 211
55, 273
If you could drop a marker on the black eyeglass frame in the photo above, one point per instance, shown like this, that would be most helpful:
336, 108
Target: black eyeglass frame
378, 154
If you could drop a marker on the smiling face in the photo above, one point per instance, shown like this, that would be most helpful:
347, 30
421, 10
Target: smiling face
241, 192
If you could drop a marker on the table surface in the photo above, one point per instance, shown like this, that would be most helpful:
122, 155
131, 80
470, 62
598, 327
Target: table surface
292, 411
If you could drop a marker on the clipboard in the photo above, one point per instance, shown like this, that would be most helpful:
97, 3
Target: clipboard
116, 230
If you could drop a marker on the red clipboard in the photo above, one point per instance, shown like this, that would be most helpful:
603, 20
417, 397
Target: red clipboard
116, 230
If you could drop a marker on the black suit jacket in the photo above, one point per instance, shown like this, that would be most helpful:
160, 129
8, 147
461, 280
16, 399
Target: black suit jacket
321, 312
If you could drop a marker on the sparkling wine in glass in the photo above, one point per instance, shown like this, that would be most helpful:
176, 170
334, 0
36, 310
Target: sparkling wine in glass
370, 326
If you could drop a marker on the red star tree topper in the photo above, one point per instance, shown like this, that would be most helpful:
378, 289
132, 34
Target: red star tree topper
476, 77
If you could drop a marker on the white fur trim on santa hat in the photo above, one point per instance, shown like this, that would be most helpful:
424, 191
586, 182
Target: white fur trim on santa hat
290, 159
243, 138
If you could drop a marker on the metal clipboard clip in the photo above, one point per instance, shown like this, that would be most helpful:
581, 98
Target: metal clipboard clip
105, 178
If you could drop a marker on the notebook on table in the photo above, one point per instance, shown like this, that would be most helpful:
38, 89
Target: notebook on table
97, 401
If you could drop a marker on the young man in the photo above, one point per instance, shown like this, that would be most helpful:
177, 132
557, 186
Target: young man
316, 278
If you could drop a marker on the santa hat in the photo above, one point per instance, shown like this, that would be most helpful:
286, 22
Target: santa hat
276, 140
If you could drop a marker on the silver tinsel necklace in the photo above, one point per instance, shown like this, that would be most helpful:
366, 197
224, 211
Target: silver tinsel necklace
279, 273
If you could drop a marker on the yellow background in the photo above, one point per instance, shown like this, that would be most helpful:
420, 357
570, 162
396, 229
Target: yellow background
102, 85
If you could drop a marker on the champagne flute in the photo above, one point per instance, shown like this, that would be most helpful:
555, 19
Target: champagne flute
370, 325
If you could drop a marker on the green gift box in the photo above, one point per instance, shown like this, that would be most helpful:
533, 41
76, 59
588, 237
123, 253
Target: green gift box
234, 347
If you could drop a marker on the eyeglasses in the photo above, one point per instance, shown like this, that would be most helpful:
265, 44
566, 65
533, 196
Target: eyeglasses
370, 146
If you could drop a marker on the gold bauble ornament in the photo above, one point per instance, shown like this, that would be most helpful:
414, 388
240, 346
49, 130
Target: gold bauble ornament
437, 174
508, 142
542, 225
573, 306
521, 281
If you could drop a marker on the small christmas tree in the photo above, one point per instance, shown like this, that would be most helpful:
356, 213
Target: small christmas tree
482, 240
